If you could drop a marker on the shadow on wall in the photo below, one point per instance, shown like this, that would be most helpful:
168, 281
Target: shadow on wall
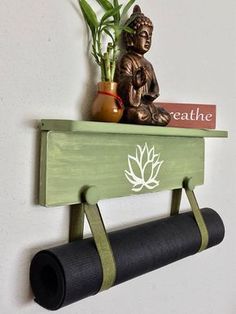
35, 126
89, 89
35, 179
23, 294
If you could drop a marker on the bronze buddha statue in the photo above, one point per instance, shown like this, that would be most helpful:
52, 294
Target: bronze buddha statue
137, 83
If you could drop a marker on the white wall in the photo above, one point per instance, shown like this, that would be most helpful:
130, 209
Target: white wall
45, 73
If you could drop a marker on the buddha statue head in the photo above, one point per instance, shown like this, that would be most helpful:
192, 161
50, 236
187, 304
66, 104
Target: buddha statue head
140, 40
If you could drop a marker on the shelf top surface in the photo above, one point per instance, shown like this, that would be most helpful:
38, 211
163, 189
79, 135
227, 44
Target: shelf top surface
118, 128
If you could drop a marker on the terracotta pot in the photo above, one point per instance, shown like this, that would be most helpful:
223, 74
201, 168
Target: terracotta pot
106, 106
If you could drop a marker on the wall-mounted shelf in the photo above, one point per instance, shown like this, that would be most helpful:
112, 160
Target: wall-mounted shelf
84, 162
111, 160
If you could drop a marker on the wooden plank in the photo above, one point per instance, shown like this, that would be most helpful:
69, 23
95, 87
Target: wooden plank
113, 163
117, 128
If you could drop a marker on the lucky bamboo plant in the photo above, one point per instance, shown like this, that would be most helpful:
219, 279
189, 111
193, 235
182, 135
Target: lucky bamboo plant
106, 33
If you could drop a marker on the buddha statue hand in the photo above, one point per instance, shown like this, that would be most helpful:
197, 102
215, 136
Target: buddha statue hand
148, 98
140, 77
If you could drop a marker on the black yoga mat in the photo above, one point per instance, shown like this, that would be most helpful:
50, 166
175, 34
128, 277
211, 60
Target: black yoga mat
62, 275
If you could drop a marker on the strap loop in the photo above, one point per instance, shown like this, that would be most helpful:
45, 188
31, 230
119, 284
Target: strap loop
101, 240
175, 202
103, 245
175, 205
199, 219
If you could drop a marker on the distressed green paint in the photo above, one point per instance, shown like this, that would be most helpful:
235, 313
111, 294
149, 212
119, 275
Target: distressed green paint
76, 155
43, 168
73, 161
117, 128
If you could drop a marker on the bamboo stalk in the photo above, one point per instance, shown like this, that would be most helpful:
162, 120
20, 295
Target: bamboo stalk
110, 51
113, 64
107, 67
113, 69
103, 67
102, 71
109, 27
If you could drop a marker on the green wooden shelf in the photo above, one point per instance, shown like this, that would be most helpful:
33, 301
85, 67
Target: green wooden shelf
110, 160
116, 128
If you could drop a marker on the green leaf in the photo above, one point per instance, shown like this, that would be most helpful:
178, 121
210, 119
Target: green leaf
127, 7
109, 23
111, 13
128, 29
89, 15
131, 19
117, 30
105, 4
116, 3
117, 16
109, 34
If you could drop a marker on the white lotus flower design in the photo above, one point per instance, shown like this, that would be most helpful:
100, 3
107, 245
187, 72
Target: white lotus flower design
143, 168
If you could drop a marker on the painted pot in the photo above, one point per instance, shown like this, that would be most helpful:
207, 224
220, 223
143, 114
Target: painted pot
107, 106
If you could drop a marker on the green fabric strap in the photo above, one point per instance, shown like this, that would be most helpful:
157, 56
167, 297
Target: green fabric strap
76, 222
175, 205
103, 245
175, 202
199, 219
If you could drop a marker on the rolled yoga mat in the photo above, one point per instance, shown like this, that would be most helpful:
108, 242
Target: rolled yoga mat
68, 273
